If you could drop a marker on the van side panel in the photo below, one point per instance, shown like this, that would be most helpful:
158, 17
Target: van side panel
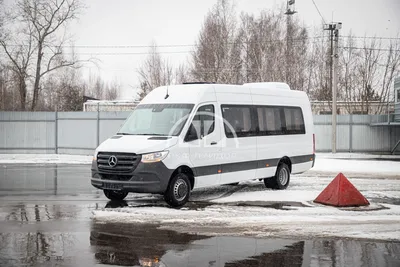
239, 154
297, 147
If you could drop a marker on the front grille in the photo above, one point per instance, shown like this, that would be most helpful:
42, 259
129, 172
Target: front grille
126, 162
115, 177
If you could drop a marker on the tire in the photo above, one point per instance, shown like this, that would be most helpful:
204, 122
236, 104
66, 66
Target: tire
281, 179
269, 182
178, 191
115, 195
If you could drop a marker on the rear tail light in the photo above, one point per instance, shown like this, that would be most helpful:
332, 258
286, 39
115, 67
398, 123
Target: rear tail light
313, 142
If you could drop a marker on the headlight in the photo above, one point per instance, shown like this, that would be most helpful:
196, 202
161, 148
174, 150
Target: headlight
95, 156
154, 157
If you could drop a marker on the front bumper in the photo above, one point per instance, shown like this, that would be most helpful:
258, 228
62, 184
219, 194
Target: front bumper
145, 178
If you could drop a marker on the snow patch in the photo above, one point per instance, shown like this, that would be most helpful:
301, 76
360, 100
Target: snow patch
44, 159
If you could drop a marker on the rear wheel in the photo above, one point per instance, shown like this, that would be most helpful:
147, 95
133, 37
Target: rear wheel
178, 191
115, 195
281, 179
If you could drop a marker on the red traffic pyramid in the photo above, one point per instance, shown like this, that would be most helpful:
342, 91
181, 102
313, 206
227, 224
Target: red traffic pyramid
341, 193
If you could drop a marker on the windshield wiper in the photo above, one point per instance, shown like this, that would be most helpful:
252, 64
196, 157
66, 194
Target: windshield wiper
153, 134
124, 134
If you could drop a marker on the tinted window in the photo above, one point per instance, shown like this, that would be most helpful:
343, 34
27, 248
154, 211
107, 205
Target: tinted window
204, 121
294, 120
237, 120
269, 120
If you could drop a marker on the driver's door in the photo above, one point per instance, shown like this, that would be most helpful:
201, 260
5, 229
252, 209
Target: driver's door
204, 139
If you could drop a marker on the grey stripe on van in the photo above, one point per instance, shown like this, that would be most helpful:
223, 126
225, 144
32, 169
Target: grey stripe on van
248, 165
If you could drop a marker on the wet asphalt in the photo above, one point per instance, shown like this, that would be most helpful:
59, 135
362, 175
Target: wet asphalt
46, 220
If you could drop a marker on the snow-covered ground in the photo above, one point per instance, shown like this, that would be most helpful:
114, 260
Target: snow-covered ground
250, 209
44, 159
354, 167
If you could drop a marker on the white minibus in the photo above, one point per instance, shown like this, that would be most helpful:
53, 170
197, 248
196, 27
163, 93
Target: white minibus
195, 135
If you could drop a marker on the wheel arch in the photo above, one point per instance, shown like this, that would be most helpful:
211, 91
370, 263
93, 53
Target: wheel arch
287, 161
186, 170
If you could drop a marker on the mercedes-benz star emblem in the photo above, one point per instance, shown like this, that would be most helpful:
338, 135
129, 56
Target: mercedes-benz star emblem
112, 161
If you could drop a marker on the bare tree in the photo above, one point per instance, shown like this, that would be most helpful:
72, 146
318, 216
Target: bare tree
20, 57
32, 41
182, 74
211, 60
390, 70
112, 91
154, 72
100, 89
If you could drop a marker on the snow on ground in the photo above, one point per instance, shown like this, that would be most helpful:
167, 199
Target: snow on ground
44, 159
254, 210
362, 166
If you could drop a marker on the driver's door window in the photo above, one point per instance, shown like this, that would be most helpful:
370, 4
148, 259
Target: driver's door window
203, 123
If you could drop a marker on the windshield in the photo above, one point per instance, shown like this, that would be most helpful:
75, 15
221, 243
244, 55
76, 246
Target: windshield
157, 119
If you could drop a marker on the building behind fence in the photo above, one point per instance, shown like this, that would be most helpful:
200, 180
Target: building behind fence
82, 132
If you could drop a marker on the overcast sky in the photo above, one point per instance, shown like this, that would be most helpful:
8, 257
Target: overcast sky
177, 22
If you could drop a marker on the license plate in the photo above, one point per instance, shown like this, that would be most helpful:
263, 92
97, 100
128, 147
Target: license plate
112, 186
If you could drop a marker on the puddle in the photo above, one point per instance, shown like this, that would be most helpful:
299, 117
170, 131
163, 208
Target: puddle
386, 200
146, 245
287, 205
198, 205
49, 179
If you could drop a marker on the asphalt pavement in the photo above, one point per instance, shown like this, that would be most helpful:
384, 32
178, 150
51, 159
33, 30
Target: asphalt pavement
46, 220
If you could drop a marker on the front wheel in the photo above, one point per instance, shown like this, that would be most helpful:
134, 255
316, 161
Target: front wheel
281, 179
178, 191
115, 195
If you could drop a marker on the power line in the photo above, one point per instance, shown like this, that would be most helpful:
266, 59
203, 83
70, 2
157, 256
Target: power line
371, 37
370, 48
127, 53
322, 17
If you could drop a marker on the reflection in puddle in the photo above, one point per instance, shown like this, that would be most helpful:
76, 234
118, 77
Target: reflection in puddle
145, 245
196, 205
43, 235
49, 179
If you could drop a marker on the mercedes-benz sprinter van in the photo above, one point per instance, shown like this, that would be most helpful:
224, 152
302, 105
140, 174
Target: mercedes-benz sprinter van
189, 136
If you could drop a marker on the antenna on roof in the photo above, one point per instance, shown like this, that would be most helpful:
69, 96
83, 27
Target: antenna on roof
167, 95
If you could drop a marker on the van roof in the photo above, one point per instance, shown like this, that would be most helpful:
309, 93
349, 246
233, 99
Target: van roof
195, 93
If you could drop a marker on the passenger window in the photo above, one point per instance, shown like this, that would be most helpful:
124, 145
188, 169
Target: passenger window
294, 120
203, 123
269, 120
237, 119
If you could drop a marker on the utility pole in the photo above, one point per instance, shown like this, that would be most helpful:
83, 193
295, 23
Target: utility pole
290, 10
333, 29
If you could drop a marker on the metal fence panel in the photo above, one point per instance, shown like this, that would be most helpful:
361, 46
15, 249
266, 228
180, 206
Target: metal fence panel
370, 139
81, 132
110, 122
322, 119
27, 132
323, 137
343, 138
77, 132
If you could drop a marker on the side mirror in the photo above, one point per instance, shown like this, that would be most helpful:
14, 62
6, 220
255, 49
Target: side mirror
191, 134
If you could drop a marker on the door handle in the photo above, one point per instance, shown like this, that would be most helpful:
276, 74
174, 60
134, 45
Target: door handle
213, 143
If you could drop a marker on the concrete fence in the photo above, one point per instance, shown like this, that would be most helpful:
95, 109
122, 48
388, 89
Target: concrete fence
81, 132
